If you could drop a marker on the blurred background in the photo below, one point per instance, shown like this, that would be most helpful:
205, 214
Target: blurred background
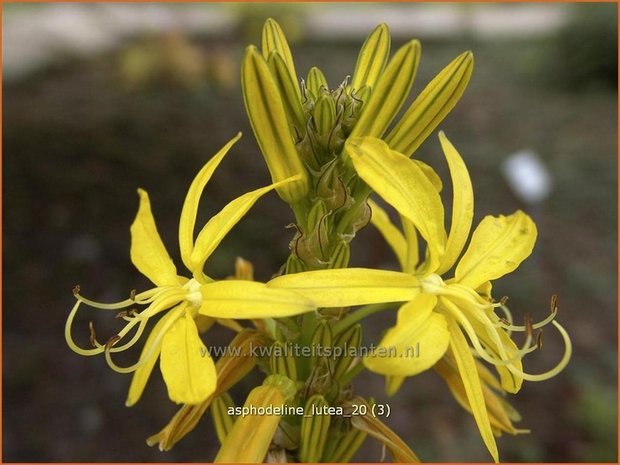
99, 99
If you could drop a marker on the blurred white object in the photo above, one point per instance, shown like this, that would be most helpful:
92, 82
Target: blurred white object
527, 176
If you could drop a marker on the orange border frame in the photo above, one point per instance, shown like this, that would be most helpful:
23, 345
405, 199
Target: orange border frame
329, 1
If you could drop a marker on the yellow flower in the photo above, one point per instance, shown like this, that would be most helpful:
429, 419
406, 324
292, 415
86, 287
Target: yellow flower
186, 365
445, 311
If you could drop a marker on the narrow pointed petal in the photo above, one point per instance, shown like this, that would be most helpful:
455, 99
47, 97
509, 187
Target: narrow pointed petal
372, 58
462, 205
498, 246
231, 367
219, 226
148, 252
431, 174
192, 199
496, 406
187, 367
467, 368
390, 92
350, 286
402, 184
393, 384
419, 338
509, 381
150, 354
390, 233
432, 105
411, 238
249, 299
315, 81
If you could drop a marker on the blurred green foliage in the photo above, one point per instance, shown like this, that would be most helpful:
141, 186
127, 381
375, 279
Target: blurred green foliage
585, 52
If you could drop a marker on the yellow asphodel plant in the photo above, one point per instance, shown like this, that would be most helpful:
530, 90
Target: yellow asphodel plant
186, 366
443, 312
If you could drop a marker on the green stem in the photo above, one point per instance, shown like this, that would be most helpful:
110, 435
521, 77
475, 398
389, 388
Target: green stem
358, 315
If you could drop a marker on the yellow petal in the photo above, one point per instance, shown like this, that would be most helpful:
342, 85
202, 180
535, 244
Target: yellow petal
390, 93
393, 384
509, 381
432, 105
150, 354
350, 286
462, 205
187, 367
497, 407
390, 233
402, 184
148, 252
418, 340
431, 174
216, 229
372, 58
498, 246
467, 368
192, 199
411, 237
249, 299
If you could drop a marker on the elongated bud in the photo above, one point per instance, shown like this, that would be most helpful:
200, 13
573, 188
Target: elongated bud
282, 361
222, 420
375, 428
314, 428
341, 255
244, 269
321, 340
274, 40
372, 58
311, 246
289, 91
316, 82
324, 114
348, 343
249, 439
294, 264
346, 446
267, 115
331, 189
389, 93
432, 105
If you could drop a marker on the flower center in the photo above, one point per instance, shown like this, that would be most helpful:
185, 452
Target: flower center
432, 284
193, 296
